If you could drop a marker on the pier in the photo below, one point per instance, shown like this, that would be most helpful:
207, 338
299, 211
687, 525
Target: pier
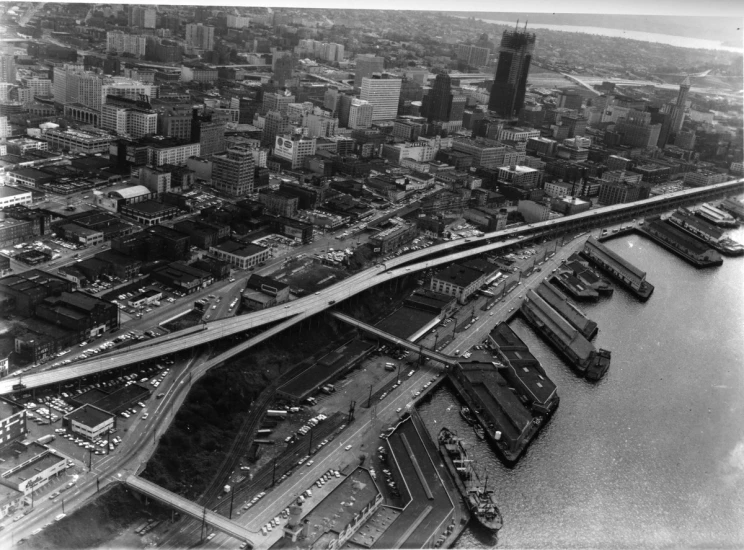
560, 302
620, 269
681, 243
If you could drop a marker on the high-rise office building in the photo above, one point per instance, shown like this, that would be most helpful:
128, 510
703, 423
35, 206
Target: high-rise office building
72, 84
636, 130
474, 56
232, 172
436, 103
366, 66
142, 17
283, 68
360, 114
276, 101
7, 68
174, 118
330, 100
382, 93
120, 42
276, 124
570, 99
510, 80
679, 107
200, 37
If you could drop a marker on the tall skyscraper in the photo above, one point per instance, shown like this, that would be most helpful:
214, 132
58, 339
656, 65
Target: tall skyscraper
366, 66
276, 124
360, 114
232, 172
679, 107
7, 68
200, 37
510, 81
437, 102
383, 94
142, 17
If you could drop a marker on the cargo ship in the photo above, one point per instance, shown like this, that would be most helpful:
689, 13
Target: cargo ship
479, 498
706, 232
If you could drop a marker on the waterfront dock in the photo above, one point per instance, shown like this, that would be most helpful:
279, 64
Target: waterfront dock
681, 243
579, 352
574, 287
560, 302
734, 207
628, 275
706, 232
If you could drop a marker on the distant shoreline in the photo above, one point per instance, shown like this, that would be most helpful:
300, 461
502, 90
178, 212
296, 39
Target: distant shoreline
668, 39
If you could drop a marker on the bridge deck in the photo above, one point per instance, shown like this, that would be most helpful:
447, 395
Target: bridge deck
188, 507
446, 359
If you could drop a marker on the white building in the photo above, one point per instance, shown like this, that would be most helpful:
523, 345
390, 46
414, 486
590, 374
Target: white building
294, 150
360, 114
383, 94
176, 154
237, 21
90, 422
240, 255
128, 88
126, 121
12, 196
518, 134
121, 42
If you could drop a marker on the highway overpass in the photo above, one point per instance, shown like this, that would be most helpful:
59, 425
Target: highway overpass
406, 264
400, 342
187, 507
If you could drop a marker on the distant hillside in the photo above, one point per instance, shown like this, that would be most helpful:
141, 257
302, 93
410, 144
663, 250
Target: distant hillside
725, 29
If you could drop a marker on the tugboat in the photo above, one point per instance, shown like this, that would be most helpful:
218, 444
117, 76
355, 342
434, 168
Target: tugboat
467, 416
480, 499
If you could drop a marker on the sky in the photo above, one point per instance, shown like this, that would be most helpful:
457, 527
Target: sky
627, 7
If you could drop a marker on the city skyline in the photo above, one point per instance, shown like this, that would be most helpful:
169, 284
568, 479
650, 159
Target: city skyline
320, 278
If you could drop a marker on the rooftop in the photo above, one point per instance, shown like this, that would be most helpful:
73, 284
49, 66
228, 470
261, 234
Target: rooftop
458, 275
9, 191
89, 415
240, 249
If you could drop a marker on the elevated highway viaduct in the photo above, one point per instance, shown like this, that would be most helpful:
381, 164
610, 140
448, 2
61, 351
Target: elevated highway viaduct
297, 310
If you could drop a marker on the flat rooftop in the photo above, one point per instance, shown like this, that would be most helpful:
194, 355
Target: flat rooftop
422, 515
613, 258
37, 465
122, 398
89, 415
405, 322
240, 249
458, 275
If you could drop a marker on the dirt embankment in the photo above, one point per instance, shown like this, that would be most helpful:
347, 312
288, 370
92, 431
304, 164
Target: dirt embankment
106, 522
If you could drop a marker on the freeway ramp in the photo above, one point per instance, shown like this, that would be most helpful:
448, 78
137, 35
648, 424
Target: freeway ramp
433, 355
190, 508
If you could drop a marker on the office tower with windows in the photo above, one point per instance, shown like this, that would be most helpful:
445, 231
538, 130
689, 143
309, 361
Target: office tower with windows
7, 68
360, 114
142, 17
510, 80
232, 172
383, 94
678, 114
199, 37
276, 124
366, 66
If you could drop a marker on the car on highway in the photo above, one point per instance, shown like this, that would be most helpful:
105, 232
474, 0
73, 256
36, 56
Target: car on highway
347, 448
399, 409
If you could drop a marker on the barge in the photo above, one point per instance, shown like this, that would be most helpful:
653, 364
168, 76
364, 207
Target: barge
681, 243
479, 498
579, 352
716, 216
706, 232
628, 275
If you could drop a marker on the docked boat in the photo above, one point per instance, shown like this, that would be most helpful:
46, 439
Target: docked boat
479, 498
479, 431
467, 416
